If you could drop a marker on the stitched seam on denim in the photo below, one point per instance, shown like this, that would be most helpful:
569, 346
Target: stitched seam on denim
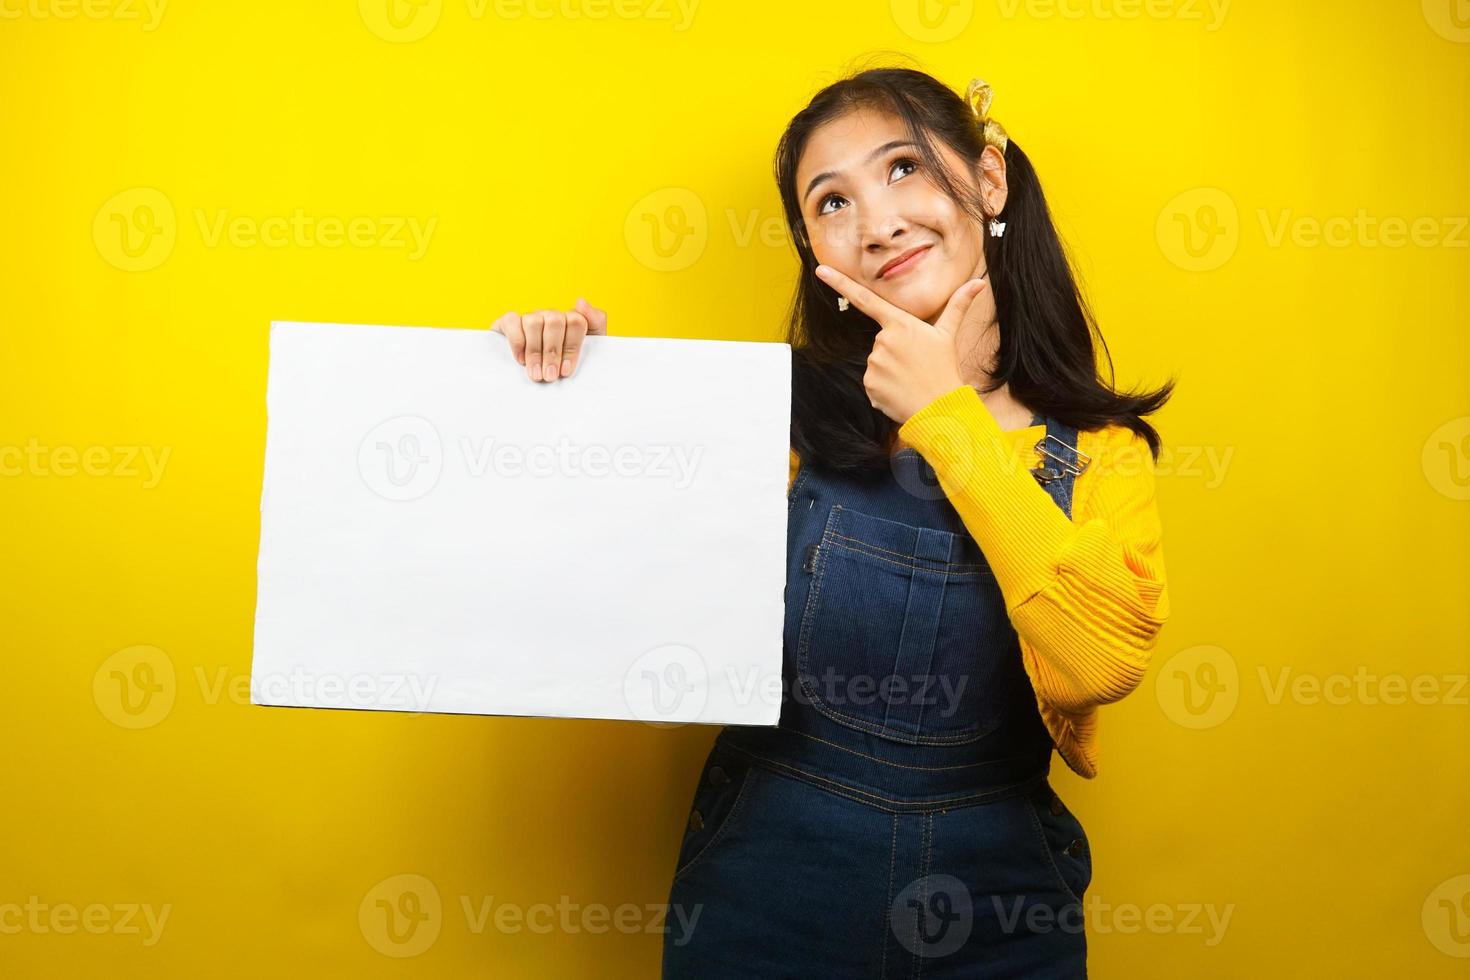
1086, 845
1031, 807
903, 632
888, 899
724, 825
899, 554
934, 639
898, 806
848, 721
926, 848
914, 946
895, 765
981, 570
836, 789
802, 472
814, 597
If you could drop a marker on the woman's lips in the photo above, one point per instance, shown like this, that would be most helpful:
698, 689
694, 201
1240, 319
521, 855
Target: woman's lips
908, 263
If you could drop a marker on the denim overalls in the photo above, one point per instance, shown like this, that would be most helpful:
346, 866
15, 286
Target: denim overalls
899, 821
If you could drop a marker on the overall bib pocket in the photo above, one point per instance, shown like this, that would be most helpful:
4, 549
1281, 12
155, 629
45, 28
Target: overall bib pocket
904, 632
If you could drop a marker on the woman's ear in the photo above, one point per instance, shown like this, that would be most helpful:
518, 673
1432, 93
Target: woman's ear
993, 180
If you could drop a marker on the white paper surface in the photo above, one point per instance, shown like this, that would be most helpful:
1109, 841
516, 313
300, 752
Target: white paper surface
440, 533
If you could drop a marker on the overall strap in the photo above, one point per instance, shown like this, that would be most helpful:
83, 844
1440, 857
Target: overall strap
1061, 461
802, 472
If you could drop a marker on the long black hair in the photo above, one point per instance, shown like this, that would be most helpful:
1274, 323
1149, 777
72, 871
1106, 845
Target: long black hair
1046, 350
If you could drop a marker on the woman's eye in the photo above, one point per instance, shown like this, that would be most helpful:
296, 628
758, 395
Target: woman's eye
909, 162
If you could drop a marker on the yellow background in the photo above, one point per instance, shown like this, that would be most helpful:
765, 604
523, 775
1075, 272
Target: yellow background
1315, 502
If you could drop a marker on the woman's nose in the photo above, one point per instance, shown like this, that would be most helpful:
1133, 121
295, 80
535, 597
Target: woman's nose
880, 229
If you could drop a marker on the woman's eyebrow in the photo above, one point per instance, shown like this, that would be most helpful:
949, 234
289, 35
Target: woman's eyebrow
829, 174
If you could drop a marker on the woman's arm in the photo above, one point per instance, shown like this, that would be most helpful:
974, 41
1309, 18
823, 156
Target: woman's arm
1088, 594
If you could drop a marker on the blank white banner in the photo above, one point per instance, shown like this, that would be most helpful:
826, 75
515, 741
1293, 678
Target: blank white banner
440, 533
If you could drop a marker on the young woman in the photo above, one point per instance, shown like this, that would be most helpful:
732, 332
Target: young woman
974, 566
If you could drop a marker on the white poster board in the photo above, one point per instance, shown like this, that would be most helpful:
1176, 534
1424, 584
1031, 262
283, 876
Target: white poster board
440, 533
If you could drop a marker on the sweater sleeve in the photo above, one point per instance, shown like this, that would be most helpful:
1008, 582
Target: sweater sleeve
1087, 595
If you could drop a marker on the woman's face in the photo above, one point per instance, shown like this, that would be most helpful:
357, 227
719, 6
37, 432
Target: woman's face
866, 203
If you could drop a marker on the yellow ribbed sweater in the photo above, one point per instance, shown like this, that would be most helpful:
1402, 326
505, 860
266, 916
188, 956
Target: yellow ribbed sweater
1086, 596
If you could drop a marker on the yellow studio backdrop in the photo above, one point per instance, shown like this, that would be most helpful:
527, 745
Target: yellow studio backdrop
1267, 199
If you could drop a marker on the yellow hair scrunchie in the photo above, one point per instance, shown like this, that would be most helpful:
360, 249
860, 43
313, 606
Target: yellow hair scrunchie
979, 96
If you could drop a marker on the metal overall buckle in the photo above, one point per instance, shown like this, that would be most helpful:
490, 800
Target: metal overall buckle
1060, 466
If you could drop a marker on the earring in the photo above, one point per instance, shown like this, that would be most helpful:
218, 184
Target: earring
997, 228
842, 303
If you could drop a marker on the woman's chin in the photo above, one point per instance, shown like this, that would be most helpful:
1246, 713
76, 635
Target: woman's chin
918, 301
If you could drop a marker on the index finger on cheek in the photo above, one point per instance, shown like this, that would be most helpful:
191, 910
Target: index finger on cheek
841, 283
